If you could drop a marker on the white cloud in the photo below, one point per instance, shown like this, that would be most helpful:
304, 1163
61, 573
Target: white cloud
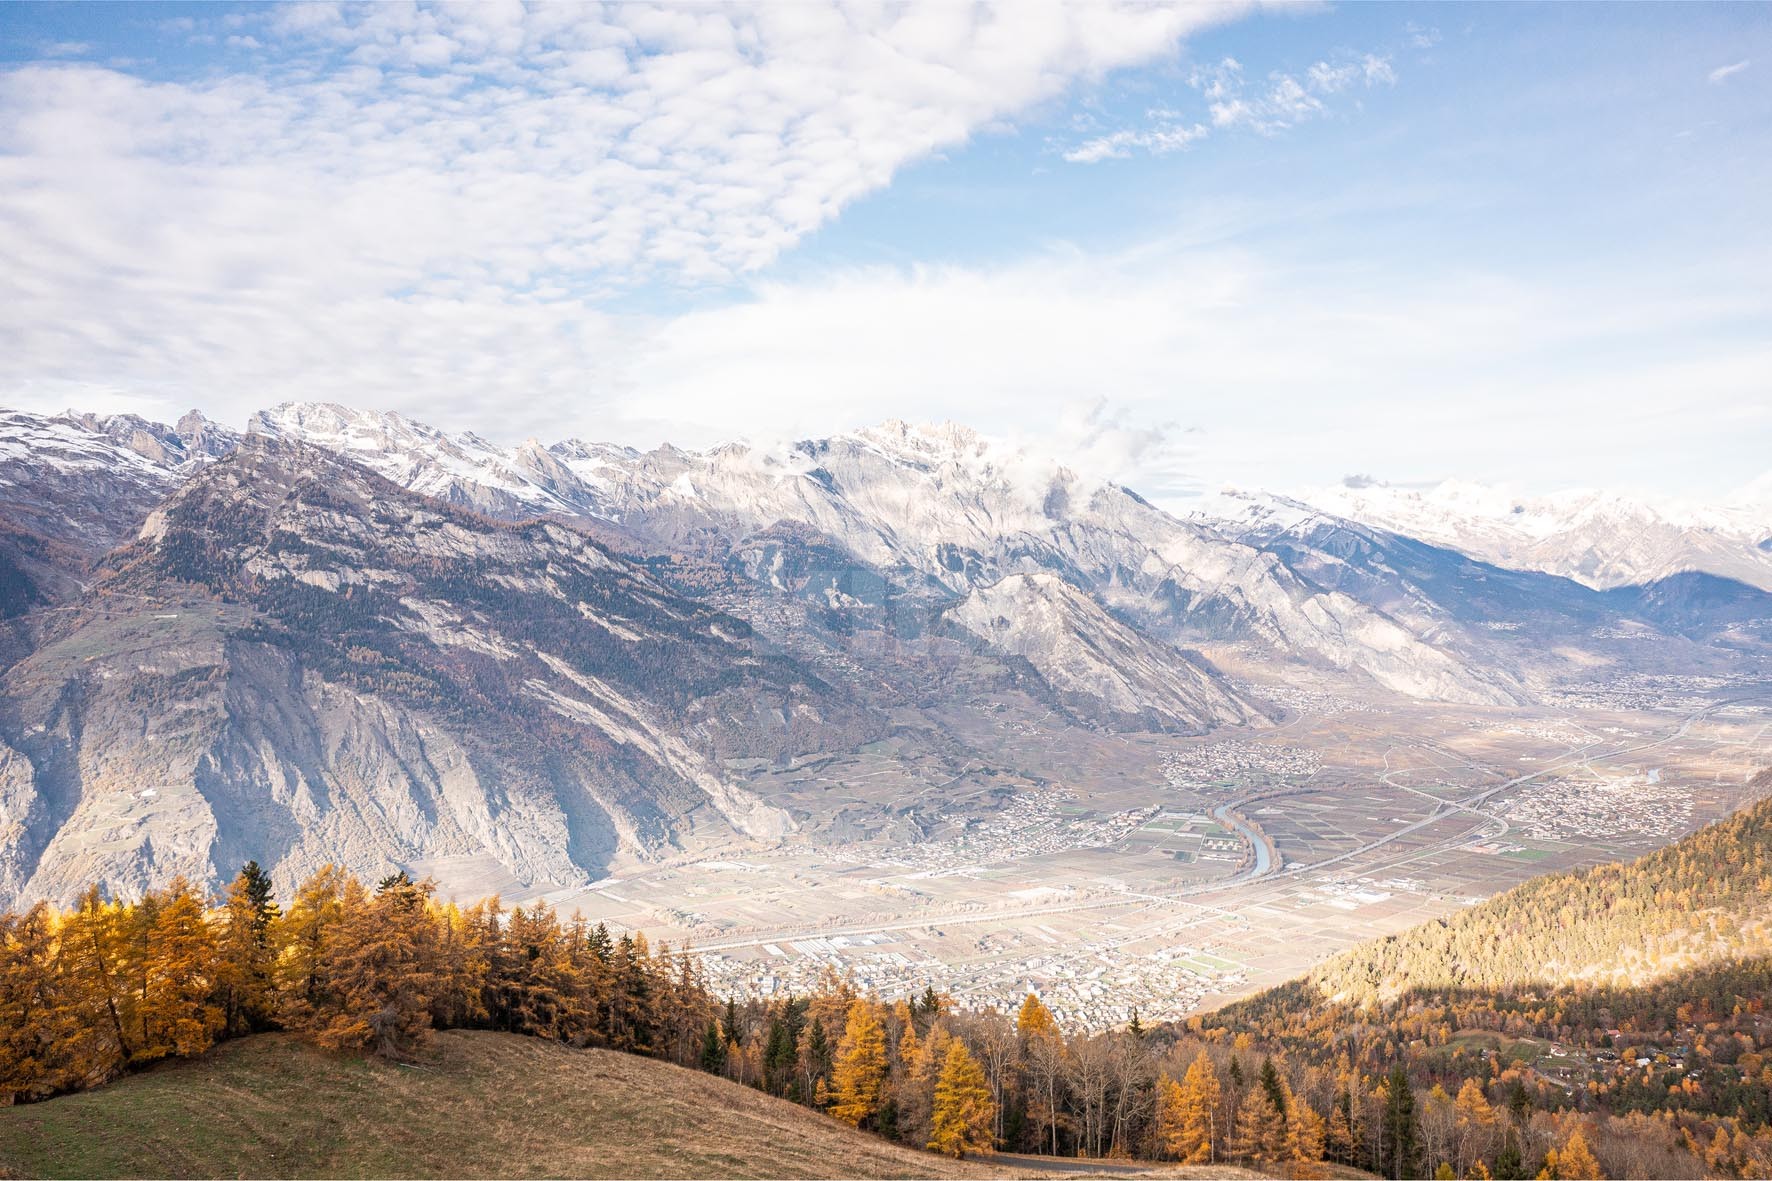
1295, 377
400, 195
1722, 73
1280, 102
1159, 139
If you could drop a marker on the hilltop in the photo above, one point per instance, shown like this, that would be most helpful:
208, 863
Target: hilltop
472, 1104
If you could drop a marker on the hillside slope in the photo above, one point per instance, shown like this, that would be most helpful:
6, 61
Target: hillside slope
1704, 900
300, 663
475, 1105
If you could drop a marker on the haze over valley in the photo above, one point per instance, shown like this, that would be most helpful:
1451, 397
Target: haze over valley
906, 702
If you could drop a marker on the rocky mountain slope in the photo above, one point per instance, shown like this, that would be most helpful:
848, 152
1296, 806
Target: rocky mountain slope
1093, 660
1497, 617
298, 661
348, 635
1599, 539
936, 510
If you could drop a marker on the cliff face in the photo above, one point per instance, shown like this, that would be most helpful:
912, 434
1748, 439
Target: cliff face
300, 662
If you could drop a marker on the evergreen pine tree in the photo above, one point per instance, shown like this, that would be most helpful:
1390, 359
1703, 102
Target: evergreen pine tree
713, 1049
1402, 1130
1508, 1164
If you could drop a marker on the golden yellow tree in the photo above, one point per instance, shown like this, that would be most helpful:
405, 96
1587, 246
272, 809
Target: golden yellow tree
1170, 1141
1304, 1139
1476, 1126
1261, 1132
1200, 1094
89, 966
1035, 1019
1575, 1161
246, 958
963, 1109
174, 1009
859, 1074
379, 964
300, 939
36, 1022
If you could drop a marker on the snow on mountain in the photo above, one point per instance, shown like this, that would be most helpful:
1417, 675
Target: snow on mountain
462, 469
946, 506
418, 687
1600, 539
72, 481
938, 505
1090, 658
943, 511
194, 441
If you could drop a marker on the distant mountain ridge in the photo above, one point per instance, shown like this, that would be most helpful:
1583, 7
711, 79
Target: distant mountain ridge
346, 633
1602, 540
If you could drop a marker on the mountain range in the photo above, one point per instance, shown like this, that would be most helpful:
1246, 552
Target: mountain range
343, 635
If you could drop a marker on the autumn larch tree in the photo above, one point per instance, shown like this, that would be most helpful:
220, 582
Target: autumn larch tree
963, 1111
174, 1008
379, 966
1197, 1122
859, 1075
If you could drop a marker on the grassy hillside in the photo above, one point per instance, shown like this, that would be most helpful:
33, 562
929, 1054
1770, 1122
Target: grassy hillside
473, 1105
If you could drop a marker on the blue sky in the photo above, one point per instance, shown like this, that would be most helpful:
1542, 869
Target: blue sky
1513, 243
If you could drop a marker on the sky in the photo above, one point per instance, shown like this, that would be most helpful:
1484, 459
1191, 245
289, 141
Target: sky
1183, 247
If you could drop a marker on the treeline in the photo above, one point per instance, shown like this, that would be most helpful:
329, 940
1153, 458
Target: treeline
90, 992
96, 990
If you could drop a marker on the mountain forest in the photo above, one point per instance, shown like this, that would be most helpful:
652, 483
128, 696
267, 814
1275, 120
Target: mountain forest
1609, 1022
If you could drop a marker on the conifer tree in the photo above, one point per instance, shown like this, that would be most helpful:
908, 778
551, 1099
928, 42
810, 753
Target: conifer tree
1342, 1140
379, 966
246, 958
1269, 1079
963, 1111
1200, 1095
1035, 1019
1575, 1161
1304, 1139
301, 942
1402, 1131
1509, 1166
1260, 1138
931, 1005
859, 1074
815, 1058
37, 1022
1171, 1143
90, 962
179, 974
713, 1049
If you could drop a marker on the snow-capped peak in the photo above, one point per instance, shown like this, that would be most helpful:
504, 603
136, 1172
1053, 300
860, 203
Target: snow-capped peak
1602, 539
462, 469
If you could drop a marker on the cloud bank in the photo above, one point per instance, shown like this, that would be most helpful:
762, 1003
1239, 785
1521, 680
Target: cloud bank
376, 199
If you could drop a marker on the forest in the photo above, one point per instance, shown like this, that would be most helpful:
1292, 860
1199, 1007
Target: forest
1429, 1084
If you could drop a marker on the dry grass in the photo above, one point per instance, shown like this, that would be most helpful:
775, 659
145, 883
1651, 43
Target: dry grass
473, 1105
